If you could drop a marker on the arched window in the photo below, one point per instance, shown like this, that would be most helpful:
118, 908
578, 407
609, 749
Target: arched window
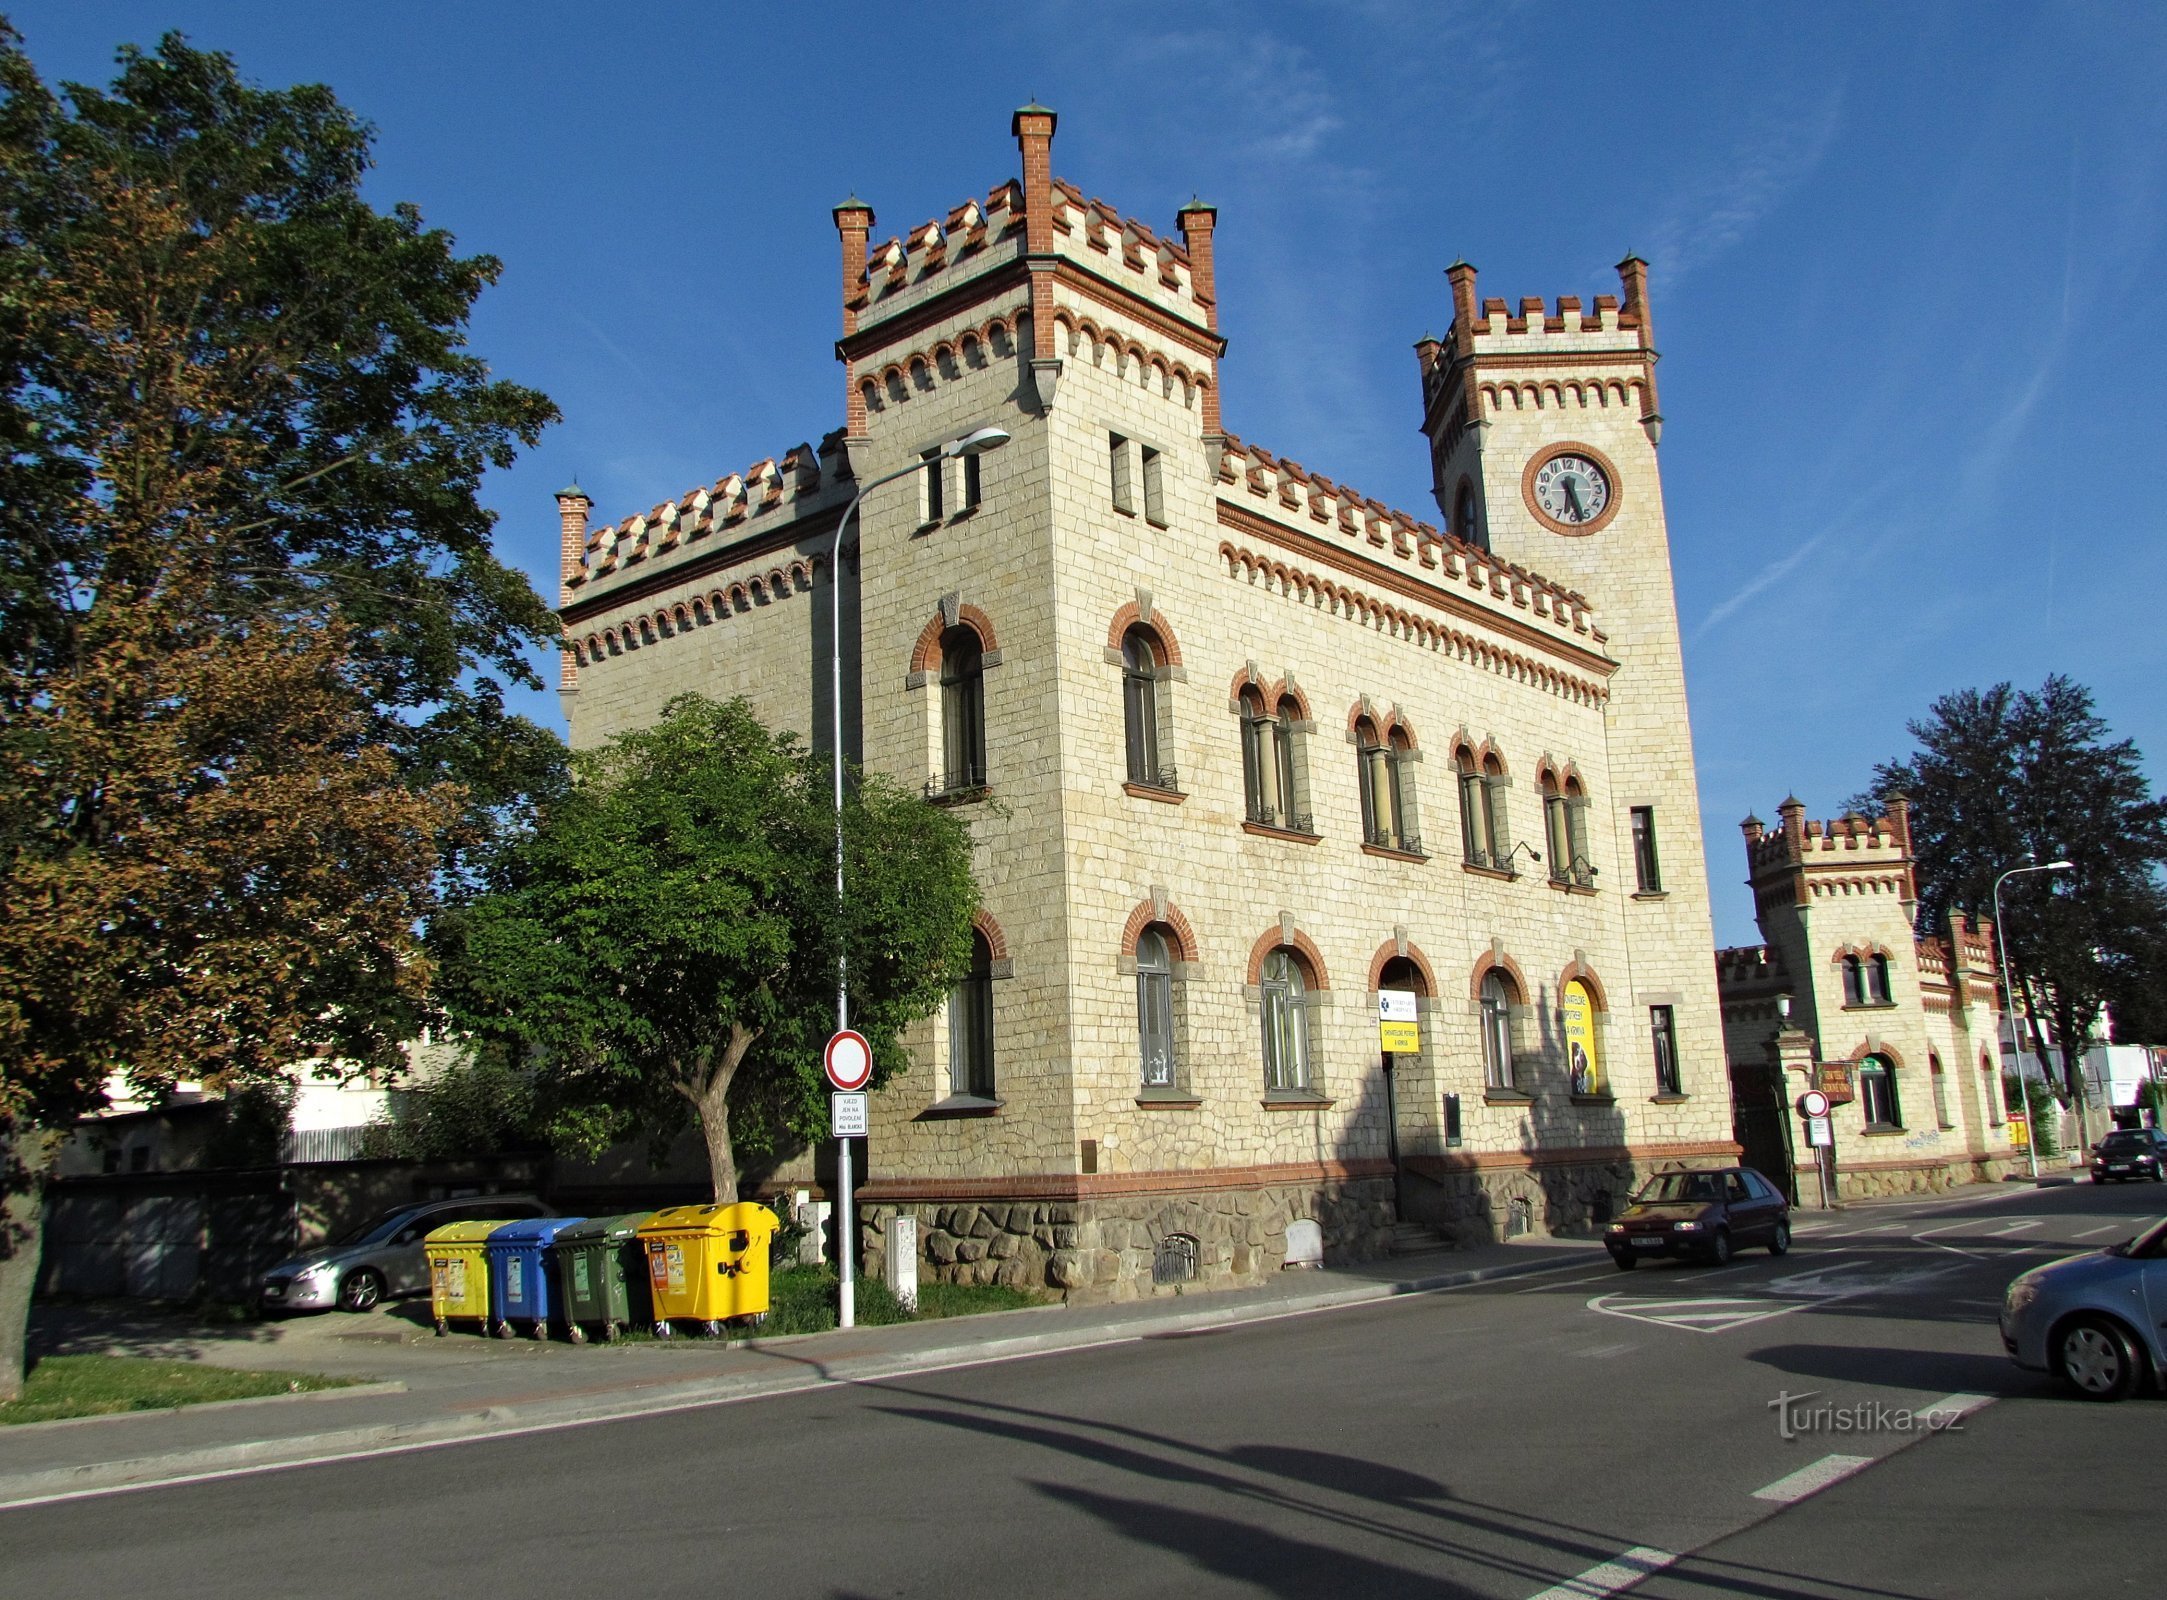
1466, 520
1877, 981
1854, 981
1497, 1067
1497, 836
1940, 1082
1400, 764
1555, 831
1143, 711
1285, 1016
1474, 836
1385, 773
1271, 762
963, 712
1877, 1093
970, 1025
1155, 1009
1579, 865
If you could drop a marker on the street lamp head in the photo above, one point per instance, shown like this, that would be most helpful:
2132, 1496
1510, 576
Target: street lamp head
976, 443
2060, 866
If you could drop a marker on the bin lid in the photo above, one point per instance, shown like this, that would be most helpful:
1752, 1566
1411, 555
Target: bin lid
589, 1230
532, 1230
745, 1216
462, 1233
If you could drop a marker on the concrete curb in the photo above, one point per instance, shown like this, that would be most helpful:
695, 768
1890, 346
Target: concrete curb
344, 1391
96, 1477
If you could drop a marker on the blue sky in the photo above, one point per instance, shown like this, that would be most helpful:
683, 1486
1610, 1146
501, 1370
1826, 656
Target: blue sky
1907, 273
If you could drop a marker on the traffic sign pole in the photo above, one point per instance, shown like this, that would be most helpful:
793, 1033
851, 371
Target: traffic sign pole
849, 1063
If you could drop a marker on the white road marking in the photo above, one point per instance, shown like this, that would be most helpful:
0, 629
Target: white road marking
1926, 1236
2112, 1227
1602, 1352
1953, 1407
2018, 1226
1813, 1479
1612, 1577
1712, 1315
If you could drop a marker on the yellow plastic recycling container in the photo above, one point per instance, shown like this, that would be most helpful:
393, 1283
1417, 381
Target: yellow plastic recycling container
708, 1264
459, 1271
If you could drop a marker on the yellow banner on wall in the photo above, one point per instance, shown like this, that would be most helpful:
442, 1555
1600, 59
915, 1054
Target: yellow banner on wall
1399, 1030
1582, 1054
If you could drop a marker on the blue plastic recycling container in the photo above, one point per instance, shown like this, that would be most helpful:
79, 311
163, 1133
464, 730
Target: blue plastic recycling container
519, 1288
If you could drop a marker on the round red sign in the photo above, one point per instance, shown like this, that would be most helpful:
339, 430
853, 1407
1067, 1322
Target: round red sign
1813, 1103
849, 1060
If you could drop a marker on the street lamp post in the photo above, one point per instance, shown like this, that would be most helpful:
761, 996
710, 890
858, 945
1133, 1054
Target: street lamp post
975, 443
2009, 999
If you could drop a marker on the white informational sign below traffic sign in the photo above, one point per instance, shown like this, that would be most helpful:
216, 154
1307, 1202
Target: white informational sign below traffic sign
1398, 1030
849, 1061
1813, 1103
1819, 1133
847, 1115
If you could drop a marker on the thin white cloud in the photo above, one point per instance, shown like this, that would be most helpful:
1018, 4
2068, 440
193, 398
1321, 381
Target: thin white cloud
1766, 579
1773, 154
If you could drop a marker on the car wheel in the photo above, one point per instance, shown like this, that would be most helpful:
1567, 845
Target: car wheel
2096, 1358
1719, 1249
1626, 1263
362, 1291
1779, 1242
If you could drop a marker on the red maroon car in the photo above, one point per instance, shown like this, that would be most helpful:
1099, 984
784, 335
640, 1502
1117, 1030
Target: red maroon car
1707, 1214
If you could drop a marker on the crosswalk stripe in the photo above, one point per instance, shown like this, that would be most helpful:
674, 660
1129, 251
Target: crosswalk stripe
1813, 1479
1612, 1576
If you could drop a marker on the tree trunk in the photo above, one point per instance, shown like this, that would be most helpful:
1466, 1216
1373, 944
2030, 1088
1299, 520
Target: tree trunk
26, 1162
713, 1104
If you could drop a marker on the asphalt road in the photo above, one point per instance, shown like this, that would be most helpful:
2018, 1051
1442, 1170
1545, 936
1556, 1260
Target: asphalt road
1493, 1441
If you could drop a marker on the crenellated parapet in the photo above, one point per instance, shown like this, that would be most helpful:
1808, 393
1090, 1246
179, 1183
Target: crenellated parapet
737, 506
1311, 502
1803, 860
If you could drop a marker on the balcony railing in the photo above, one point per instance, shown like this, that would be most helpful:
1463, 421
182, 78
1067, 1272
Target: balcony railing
963, 785
1287, 821
1162, 777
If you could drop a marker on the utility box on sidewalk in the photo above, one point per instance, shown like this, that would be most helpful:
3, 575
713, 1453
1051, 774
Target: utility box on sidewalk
708, 1264
903, 1259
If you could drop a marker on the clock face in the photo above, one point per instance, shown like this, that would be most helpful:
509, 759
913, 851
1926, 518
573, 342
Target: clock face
1571, 489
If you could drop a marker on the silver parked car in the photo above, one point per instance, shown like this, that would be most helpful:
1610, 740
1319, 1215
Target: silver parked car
2094, 1320
383, 1257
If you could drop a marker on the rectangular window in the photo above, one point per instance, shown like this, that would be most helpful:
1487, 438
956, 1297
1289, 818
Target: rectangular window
1452, 1122
1646, 868
1664, 1030
931, 486
1561, 849
973, 491
1124, 485
1154, 488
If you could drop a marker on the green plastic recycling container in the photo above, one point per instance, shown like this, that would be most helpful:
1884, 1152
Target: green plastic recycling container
602, 1271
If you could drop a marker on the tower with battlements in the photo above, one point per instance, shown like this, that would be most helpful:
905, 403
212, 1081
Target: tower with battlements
1242, 749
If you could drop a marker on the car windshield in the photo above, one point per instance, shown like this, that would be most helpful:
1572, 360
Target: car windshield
2128, 1140
1672, 1187
377, 1229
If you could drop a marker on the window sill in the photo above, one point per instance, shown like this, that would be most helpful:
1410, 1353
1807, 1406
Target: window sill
1389, 852
1881, 1130
1126, 511
960, 1105
1671, 1097
1265, 830
1149, 791
1651, 894
1507, 1097
1571, 888
1295, 1100
960, 797
1168, 1100
1502, 874
1870, 1005
1946, 1127
1595, 1099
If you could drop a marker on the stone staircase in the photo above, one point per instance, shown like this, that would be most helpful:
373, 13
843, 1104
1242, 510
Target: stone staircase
1417, 1239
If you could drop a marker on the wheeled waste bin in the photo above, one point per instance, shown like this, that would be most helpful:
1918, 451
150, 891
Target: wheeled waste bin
602, 1275
459, 1272
519, 1288
707, 1264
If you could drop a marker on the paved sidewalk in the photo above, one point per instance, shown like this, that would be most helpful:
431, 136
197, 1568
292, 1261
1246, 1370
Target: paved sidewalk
424, 1390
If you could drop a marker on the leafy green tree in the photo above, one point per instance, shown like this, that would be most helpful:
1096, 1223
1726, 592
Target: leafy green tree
2003, 778
665, 939
479, 1103
252, 634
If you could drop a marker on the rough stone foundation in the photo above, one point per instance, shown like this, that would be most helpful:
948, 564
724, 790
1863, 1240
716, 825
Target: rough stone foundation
1103, 1247
1916, 1177
1487, 1204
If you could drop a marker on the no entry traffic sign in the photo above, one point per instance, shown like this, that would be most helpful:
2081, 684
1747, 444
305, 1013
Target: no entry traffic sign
849, 1060
1812, 1104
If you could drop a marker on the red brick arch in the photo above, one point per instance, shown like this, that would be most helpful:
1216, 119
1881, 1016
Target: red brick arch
1888, 1052
1493, 962
1130, 616
996, 941
1578, 969
1390, 951
926, 655
1301, 944
1173, 921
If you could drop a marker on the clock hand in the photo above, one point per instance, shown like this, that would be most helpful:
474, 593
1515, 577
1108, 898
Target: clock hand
1572, 501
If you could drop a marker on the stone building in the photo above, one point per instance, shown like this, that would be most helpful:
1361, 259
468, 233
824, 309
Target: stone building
1899, 1031
1240, 747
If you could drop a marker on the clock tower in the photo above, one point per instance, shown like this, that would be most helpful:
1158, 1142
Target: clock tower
1543, 427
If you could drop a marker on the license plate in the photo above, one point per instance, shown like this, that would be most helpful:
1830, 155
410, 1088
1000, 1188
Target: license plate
2120, 1166
1647, 1244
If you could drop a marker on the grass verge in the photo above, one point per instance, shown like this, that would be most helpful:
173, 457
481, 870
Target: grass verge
97, 1386
804, 1300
